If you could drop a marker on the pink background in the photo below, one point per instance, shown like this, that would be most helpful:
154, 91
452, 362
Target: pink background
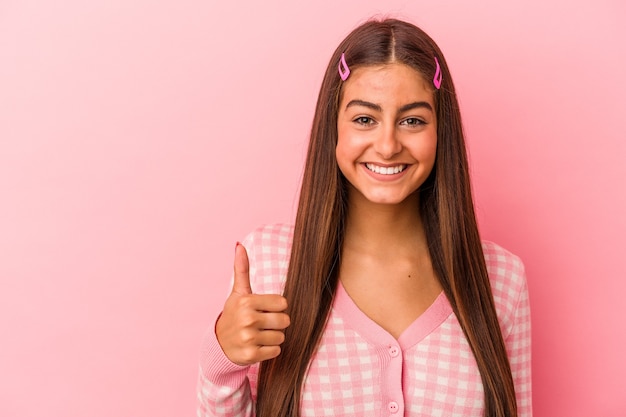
140, 139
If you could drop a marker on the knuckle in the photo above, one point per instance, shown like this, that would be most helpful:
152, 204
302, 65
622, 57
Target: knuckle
249, 356
248, 319
245, 302
247, 337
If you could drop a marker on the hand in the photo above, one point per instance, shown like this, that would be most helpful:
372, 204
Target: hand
250, 329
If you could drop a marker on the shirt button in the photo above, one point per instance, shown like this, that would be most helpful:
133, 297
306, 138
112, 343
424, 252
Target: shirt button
394, 351
393, 407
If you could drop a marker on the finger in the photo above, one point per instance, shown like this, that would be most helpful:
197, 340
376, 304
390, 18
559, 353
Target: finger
272, 303
241, 283
270, 338
254, 354
274, 321
267, 352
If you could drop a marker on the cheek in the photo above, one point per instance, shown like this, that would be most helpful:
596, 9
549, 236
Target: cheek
345, 151
342, 156
427, 150
432, 150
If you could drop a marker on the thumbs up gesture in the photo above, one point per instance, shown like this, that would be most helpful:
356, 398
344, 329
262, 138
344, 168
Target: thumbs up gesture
250, 329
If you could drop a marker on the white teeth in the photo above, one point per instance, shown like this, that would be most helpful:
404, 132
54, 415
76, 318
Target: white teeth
385, 170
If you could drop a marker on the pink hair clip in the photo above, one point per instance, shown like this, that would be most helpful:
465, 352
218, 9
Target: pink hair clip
437, 78
344, 72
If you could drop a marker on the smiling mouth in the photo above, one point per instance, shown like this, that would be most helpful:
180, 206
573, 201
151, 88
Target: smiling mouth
386, 170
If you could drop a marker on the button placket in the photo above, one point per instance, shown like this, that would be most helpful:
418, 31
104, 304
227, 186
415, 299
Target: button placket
394, 351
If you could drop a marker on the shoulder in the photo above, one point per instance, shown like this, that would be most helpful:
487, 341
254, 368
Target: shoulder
269, 250
272, 237
508, 282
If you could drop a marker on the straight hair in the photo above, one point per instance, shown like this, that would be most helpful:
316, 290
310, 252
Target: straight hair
447, 211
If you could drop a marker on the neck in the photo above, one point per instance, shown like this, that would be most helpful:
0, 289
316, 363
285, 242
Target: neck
383, 228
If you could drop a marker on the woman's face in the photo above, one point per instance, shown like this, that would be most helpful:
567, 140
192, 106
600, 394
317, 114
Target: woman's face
387, 132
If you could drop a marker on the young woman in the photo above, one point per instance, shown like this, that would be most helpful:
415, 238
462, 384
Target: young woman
382, 299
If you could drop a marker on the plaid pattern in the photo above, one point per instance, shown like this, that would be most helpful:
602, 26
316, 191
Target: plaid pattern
360, 369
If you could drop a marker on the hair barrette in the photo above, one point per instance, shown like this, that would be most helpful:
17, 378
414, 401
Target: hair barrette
344, 72
438, 77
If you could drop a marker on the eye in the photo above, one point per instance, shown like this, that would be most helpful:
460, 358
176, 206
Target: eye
412, 122
364, 121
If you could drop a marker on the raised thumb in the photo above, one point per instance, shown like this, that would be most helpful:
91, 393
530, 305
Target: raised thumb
241, 283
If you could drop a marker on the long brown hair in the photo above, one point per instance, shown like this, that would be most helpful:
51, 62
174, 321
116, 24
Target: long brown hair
446, 208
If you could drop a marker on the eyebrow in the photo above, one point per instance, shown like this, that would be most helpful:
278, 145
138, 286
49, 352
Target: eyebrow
416, 105
376, 107
364, 103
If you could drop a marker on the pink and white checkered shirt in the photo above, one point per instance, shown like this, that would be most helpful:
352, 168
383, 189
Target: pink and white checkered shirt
360, 369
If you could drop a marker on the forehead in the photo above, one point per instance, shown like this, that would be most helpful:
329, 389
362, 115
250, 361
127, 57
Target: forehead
389, 83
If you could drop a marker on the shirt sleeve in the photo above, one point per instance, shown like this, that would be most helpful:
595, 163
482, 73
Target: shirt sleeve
518, 345
223, 386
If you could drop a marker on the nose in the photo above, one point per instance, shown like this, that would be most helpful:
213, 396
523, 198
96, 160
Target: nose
387, 144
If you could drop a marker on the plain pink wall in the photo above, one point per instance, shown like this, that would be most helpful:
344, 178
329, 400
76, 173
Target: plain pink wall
139, 140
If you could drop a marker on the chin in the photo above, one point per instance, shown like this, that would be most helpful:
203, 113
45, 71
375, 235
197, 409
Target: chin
386, 200
392, 198
372, 195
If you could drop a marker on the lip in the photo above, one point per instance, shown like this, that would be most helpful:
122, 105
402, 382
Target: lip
384, 177
380, 164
